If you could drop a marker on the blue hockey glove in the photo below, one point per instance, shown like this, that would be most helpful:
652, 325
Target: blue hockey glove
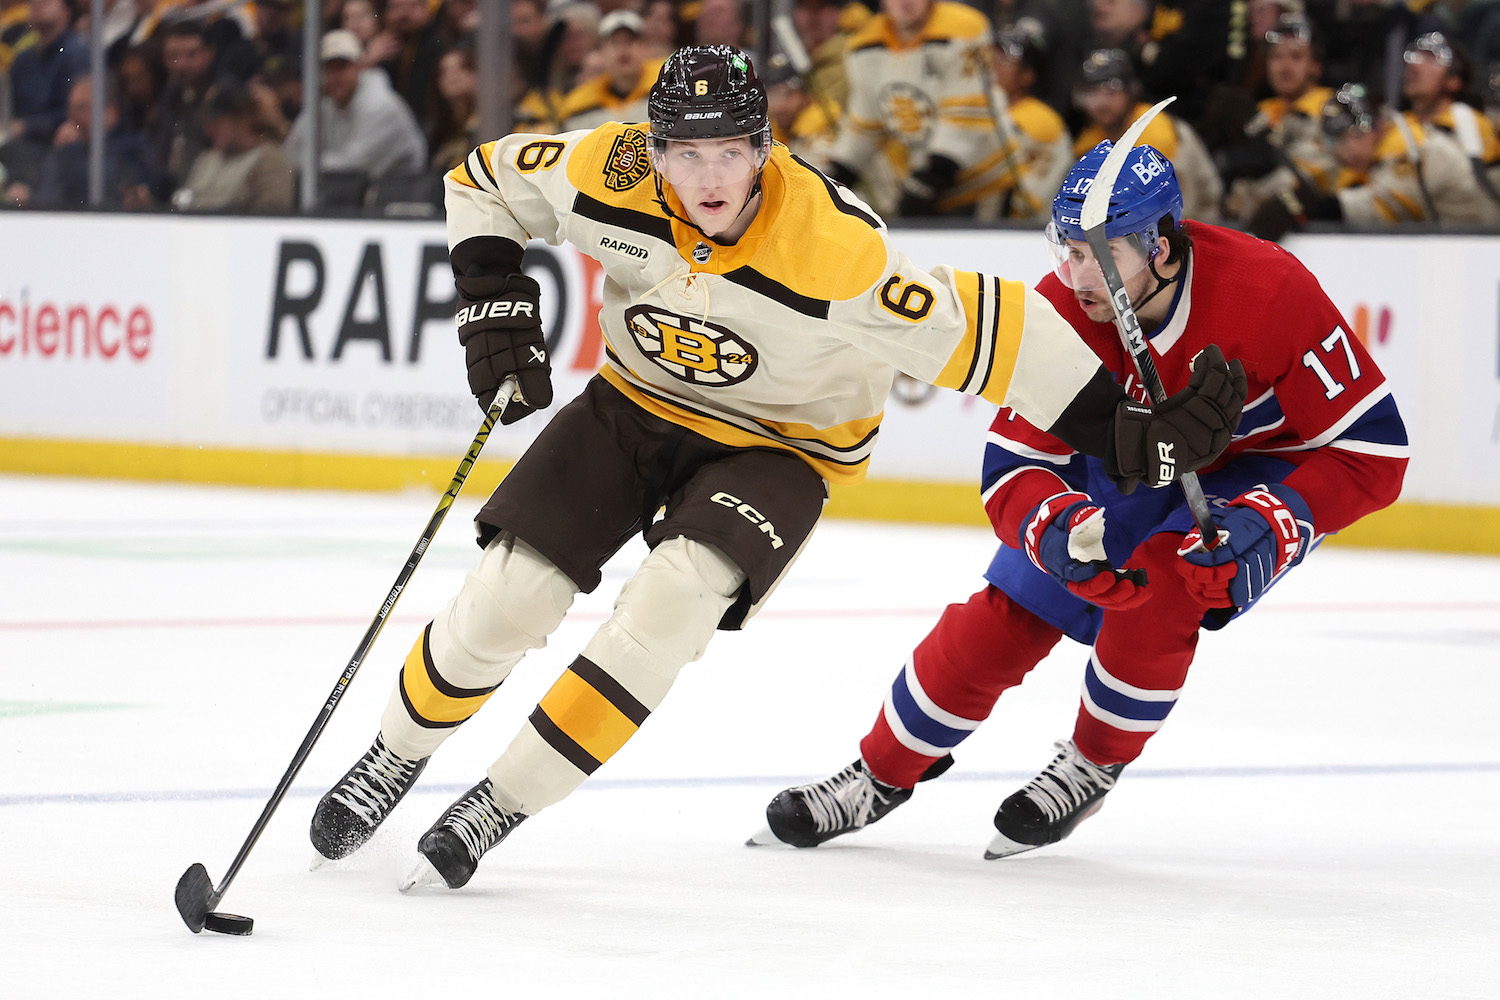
1262, 532
1064, 536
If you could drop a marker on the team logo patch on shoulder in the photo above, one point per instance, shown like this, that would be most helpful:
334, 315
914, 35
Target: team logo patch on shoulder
627, 164
695, 351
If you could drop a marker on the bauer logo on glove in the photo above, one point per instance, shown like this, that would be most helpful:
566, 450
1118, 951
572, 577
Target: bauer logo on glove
502, 336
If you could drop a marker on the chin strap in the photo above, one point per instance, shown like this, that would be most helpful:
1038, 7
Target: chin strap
1160, 284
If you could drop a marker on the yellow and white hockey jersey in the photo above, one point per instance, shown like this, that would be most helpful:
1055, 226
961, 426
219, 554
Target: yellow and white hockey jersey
791, 337
928, 95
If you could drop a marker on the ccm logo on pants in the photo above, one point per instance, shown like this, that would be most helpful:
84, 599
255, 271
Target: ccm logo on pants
750, 514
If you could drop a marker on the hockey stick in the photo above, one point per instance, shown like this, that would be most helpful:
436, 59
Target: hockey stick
1095, 212
1000, 112
802, 64
196, 895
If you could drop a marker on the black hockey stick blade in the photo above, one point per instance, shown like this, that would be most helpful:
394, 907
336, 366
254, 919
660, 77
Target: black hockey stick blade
195, 897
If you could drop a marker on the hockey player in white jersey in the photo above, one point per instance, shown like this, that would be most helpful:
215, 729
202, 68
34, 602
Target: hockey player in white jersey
755, 315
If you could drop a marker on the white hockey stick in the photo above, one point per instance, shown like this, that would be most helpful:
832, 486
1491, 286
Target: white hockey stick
1095, 212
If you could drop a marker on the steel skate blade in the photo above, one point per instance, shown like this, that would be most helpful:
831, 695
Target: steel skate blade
763, 838
1003, 847
423, 876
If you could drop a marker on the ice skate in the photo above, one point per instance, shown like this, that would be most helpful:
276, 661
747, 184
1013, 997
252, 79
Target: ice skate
451, 849
1049, 806
808, 815
348, 816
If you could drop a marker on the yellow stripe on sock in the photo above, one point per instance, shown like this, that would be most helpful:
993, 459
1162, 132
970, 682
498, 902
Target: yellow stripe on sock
433, 701
587, 717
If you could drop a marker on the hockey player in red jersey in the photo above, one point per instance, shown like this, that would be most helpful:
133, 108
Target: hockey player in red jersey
1319, 445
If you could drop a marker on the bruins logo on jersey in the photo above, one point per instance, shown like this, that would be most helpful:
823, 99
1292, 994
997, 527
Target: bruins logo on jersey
692, 350
908, 111
627, 164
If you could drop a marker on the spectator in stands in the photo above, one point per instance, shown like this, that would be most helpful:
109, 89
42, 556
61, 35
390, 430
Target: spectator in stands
176, 132
663, 33
1286, 135
1285, 125
456, 133
1043, 149
1474, 24
41, 78
1437, 84
722, 22
367, 129
243, 170
618, 93
1391, 173
532, 32
799, 121
121, 19
132, 178
577, 32
1109, 96
361, 18
227, 35
141, 80
408, 49
460, 18
1292, 114
1064, 26
16, 33
276, 41
918, 78
823, 27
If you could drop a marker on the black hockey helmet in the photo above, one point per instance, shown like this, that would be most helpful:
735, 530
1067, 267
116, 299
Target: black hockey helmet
709, 92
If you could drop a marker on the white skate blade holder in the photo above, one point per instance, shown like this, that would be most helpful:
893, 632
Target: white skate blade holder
423, 876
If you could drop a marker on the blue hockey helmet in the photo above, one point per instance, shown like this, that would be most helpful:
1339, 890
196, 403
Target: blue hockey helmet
1146, 193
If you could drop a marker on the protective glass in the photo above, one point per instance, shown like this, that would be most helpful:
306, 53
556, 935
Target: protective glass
1085, 94
1290, 29
1074, 262
1430, 47
708, 163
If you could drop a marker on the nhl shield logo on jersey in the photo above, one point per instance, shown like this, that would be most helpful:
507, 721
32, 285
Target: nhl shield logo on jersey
695, 351
627, 164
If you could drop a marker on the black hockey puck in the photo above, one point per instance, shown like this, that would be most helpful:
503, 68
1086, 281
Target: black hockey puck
228, 923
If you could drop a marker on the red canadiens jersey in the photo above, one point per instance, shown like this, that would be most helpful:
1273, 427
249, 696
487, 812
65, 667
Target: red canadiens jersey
1315, 399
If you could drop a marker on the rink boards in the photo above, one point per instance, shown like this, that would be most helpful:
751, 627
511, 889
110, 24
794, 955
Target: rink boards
293, 352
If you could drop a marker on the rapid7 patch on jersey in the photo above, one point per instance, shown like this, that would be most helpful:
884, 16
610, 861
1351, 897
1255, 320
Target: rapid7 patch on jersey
695, 351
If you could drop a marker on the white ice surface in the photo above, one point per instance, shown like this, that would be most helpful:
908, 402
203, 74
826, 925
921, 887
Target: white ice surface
1318, 819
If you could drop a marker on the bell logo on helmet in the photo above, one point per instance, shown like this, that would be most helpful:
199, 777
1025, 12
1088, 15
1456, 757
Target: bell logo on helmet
1148, 167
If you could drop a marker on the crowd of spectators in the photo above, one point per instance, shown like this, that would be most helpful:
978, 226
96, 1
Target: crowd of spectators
1376, 112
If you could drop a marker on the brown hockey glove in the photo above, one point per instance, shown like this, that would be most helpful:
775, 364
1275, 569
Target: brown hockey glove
1186, 432
502, 336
